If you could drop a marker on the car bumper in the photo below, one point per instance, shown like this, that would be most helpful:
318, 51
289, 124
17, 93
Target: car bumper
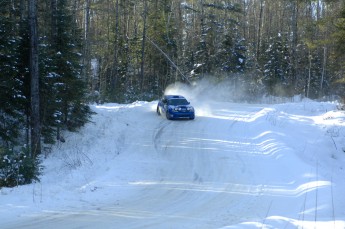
180, 115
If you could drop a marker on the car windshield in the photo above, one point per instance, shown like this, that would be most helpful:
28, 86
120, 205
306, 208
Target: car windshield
176, 102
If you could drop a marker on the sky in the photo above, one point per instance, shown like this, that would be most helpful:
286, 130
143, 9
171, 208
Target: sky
237, 165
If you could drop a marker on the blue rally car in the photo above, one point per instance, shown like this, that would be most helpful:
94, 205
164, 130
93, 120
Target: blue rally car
175, 107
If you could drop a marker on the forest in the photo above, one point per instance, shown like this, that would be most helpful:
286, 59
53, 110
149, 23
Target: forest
58, 56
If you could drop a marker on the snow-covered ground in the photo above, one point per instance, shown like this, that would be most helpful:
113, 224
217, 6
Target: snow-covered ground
234, 166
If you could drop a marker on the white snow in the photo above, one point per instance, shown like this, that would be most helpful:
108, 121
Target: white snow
234, 166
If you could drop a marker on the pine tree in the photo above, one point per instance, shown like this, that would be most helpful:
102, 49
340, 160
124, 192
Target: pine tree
277, 64
232, 53
11, 94
16, 164
339, 54
221, 46
64, 107
160, 49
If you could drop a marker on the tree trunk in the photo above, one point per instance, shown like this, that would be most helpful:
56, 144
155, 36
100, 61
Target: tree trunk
53, 5
143, 48
323, 71
309, 74
34, 75
86, 49
115, 74
294, 45
258, 42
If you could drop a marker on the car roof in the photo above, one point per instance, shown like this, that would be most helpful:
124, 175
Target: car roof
174, 97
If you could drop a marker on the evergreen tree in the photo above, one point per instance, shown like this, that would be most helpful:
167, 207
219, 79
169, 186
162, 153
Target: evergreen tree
24, 74
160, 49
339, 53
16, 165
276, 65
64, 107
221, 46
11, 95
232, 53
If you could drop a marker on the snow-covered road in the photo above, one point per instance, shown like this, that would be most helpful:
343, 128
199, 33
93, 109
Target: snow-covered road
234, 166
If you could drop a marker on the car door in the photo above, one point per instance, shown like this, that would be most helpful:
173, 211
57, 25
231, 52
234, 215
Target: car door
165, 105
162, 105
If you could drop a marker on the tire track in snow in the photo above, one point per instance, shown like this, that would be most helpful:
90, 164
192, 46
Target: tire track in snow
158, 133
